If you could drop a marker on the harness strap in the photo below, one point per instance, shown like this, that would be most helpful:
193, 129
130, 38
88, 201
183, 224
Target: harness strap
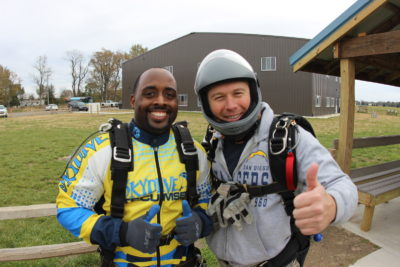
188, 156
121, 164
290, 171
262, 190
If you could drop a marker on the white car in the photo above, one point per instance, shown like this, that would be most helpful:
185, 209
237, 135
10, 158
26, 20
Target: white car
51, 107
3, 111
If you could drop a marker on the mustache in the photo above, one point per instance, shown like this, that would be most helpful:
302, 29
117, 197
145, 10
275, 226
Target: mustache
159, 108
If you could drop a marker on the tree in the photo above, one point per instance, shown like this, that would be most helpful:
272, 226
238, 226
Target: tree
79, 70
43, 76
136, 50
65, 95
10, 87
51, 94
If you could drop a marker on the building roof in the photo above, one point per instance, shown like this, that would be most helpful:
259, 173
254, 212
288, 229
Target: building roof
369, 32
221, 34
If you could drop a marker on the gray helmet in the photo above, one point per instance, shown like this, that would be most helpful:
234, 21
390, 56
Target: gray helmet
225, 65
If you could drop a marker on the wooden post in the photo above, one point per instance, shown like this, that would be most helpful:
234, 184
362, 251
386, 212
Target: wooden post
346, 123
367, 218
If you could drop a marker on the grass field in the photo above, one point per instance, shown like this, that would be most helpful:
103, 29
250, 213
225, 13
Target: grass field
34, 149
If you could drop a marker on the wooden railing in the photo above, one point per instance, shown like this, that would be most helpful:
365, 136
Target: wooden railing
38, 252
378, 183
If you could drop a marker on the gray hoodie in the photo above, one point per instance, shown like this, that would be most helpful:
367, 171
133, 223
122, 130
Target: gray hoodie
270, 230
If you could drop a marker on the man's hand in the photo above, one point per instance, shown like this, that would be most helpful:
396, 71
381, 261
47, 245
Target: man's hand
189, 226
143, 235
315, 209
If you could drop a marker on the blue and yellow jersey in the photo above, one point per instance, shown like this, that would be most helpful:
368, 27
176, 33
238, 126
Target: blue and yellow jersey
88, 178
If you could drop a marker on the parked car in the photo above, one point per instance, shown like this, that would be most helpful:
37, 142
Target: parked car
3, 111
51, 107
77, 105
109, 103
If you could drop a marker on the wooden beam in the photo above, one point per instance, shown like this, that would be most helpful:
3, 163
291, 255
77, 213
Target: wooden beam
372, 141
391, 22
346, 122
46, 251
392, 77
386, 62
339, 33
31, 211
374, 44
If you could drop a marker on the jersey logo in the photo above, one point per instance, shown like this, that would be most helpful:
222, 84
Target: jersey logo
258, 153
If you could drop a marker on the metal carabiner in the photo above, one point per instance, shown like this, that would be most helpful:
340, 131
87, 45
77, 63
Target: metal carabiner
284, 144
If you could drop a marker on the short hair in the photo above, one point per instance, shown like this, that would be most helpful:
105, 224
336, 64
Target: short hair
136, 84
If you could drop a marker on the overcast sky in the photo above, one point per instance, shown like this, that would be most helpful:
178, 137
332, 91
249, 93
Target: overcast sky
30, 29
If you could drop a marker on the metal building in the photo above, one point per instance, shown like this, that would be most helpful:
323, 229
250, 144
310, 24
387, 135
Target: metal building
303, 93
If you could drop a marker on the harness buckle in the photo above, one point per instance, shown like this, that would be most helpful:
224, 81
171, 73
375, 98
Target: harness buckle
166, 239
122, 155
188, 152
280, 142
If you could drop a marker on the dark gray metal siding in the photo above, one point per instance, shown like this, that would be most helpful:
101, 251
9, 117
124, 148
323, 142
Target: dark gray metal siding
325, 86
282, 89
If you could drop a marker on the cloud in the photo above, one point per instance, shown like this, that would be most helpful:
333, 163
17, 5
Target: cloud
47, 27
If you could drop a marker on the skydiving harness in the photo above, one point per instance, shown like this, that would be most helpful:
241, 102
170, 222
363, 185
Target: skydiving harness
122, 162
282, 155
282, 160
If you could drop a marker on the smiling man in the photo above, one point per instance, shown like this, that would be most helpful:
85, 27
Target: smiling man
262, 221
155, 100
158, 226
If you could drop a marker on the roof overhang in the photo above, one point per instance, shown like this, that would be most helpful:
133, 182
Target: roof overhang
368, 32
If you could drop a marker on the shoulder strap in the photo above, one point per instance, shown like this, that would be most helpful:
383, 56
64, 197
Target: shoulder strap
282, 153
121, 164
188, 156
209, 143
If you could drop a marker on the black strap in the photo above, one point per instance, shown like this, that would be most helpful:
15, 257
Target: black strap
188, 156
106, 257
121, 164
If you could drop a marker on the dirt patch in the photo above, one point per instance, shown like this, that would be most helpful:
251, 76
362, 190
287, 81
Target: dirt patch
339, 247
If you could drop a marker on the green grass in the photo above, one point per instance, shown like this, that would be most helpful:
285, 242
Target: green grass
33, 152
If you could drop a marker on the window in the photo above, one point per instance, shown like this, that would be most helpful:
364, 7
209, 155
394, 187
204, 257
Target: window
317, 101
328, 102
170, 69
333, 102
268, 64
182, 100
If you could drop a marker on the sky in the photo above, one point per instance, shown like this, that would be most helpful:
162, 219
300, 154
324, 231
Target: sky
30, 29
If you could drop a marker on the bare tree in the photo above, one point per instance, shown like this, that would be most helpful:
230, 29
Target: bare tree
43, 76
79, 70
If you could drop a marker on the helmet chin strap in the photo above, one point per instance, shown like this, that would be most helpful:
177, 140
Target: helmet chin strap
244, 136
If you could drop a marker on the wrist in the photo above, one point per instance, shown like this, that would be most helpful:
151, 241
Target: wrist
207, 224
331, 208
122, 234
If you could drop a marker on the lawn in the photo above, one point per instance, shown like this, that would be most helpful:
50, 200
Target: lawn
34, 151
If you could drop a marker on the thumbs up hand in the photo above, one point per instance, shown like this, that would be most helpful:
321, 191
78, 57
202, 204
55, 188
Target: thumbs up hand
314, 209
189, 226
143, 235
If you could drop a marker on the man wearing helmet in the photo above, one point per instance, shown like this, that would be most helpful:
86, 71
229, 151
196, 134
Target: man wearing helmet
257, 230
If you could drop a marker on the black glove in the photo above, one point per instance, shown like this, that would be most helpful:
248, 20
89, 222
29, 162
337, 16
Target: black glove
189, 226
143, 235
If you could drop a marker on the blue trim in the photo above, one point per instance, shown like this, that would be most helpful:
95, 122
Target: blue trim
73, 218
331, 28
